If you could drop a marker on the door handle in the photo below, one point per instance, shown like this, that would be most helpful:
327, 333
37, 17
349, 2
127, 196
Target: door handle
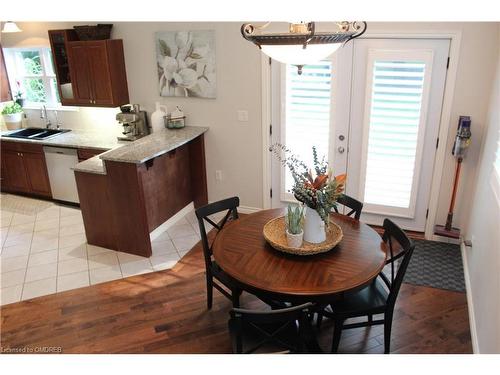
341, 150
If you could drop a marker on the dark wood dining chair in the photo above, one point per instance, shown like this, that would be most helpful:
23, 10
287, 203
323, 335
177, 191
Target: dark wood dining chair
380, 296
353, 204
285, 330
216, 277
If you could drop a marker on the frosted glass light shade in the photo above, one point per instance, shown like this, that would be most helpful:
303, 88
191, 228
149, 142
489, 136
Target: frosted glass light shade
296, 54
10, 27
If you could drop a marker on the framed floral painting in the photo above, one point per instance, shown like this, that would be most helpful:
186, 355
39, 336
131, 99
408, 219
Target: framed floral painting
186, 63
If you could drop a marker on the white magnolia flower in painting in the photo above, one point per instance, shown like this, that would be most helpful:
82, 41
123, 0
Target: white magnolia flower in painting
182, 38
201, 51
186, 78
186, 66
169, 66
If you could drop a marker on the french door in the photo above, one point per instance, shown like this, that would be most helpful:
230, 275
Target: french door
372, 110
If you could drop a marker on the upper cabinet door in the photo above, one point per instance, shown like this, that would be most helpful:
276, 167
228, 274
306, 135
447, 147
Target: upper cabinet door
82, 86
5, 94
97, 54
59, 47
95, 72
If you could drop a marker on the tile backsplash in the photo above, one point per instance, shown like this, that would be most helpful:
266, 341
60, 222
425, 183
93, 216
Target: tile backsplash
100, 120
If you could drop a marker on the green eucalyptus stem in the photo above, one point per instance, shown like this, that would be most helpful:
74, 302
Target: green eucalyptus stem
319, 192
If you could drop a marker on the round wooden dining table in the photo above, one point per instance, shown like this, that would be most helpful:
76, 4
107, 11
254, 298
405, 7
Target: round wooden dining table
242, 252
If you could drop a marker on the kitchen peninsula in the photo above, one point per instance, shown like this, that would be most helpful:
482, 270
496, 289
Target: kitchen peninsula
129, 191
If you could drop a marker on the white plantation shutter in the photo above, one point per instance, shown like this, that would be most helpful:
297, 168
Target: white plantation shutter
307, 112
395, 118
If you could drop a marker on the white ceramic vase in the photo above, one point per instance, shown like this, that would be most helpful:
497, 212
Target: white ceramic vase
294, 240
314, 227
13, 121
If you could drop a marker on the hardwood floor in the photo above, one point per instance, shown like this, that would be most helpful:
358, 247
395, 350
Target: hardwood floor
165, 312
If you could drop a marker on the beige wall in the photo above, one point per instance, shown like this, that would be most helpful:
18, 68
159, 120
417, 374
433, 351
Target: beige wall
483, 258
232, 147
236, 148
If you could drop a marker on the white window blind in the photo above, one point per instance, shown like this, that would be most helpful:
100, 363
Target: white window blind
395, 114
307, 112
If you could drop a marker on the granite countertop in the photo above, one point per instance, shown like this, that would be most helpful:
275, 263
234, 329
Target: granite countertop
73, 138
92, 165
136, 152
153, 145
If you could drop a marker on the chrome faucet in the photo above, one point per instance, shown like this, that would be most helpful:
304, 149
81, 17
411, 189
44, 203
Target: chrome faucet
44, 115
58, 122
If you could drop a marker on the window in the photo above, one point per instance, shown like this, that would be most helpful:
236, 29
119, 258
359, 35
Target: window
307, 112
31, 71
397, 92
393, 131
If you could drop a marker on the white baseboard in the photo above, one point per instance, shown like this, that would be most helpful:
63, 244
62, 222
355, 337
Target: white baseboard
437, 238
248, 210
171, 222
470, 306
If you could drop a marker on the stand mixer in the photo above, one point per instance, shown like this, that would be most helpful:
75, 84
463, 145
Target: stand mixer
134, 122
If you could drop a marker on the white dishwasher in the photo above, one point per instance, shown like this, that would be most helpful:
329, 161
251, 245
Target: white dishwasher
62, 178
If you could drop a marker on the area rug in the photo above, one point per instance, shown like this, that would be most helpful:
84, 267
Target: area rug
436, 264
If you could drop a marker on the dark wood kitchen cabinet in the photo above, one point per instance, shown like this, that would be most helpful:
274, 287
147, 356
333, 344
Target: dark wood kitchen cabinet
36, 170
92, 72
87, 153
59, 46
24, 169
5, 94
14, 177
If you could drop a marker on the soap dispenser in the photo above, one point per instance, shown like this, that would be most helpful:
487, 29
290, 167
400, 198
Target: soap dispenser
157, 121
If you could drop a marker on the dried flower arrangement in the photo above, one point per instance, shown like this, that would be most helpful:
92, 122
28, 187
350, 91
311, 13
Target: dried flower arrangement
318, 191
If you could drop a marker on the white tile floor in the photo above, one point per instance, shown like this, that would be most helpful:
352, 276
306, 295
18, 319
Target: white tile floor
44, 250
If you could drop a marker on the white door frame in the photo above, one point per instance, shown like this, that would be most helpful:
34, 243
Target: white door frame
455, 37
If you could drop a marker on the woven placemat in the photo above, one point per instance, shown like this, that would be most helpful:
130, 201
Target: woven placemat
275, 234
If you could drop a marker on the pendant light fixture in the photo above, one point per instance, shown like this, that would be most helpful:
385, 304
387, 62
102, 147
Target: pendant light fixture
10, 27
302, 45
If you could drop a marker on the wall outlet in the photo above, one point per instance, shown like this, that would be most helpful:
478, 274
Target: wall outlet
243, 116
218, 175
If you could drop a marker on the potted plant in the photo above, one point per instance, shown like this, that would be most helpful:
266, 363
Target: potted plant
12, 115
294, 219
318, 190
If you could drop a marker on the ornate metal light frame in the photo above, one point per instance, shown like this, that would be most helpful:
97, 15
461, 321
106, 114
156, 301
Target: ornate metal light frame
304, 34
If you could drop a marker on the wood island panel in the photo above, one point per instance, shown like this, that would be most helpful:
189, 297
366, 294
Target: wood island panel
129, 208
96, 210
121, 208
198, 170
87, 153
166, 184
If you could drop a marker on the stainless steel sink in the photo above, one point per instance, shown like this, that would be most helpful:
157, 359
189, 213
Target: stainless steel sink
36, 133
